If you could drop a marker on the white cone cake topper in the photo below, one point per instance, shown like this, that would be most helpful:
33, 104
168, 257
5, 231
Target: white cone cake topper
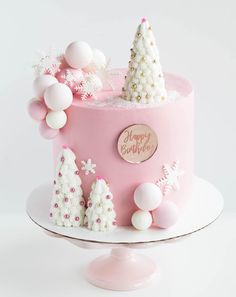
68, 205
144, 82
100, 213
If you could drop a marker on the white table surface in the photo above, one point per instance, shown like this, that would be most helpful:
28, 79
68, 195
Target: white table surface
33, 264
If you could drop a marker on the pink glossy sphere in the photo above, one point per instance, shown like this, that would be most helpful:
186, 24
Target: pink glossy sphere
58, 97
166, 215
37, 109
73, 78
47, 132
147, 196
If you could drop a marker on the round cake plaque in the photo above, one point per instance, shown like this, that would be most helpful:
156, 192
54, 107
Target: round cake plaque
137, 143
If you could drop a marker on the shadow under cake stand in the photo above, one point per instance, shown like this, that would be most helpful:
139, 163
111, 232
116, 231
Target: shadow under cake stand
123, 269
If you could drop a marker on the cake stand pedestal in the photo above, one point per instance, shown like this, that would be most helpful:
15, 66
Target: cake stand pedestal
123, 269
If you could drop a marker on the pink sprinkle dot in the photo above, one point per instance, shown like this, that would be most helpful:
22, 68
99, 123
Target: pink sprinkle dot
72, 190
77, 172
59, 174
114, 223
66, 199
66, 216
81, 203
108, 197
64, 146
50, 214
56, 205
62, 159
143, 20
77, 219
98, 221
57, 192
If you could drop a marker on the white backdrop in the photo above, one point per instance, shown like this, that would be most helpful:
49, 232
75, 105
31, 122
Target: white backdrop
196, 39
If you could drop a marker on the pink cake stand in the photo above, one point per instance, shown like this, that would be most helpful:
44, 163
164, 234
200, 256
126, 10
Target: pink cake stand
123, 269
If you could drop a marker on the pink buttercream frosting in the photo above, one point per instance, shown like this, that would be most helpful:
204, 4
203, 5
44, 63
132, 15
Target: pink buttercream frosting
92, 132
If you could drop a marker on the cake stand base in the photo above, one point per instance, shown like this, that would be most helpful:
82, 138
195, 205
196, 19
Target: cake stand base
122, 270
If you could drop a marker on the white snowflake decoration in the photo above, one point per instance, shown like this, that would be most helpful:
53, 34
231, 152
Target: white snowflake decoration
88, 167
106, 74
170, 181
72, 78
49, 63
91, 85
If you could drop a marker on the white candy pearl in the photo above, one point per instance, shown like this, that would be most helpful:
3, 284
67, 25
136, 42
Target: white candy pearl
56, 119
78, 54
141, 220
58, 97
147, 196
42, 82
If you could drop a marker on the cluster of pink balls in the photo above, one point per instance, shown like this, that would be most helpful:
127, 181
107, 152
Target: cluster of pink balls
153, 210
54, 94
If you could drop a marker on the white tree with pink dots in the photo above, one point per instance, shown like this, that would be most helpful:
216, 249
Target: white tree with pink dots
67, 205
100, 213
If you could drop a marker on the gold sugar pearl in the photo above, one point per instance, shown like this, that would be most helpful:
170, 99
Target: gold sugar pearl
143, 59
152, 85
133, 55
163, 98
142, 74
151, 43
154, 61
139, 34
134, 86
138, 97
132, 68
123, 89
150, 28
160, 75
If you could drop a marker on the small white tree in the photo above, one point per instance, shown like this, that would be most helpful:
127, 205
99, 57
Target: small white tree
144, 82
67, 205
100, 213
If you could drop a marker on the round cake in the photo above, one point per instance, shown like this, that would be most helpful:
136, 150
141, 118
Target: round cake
122, 138
93, 129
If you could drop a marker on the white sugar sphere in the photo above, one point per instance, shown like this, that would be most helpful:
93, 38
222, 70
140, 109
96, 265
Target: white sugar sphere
42, 82
58, 97
56, 119
141, 220
99, 58
166, 215
147, 196
78, 54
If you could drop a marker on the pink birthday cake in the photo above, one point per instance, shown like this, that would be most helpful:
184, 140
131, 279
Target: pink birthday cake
122, 138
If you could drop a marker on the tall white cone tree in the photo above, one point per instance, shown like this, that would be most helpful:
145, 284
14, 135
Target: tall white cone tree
144, 81
67, 205
100, 213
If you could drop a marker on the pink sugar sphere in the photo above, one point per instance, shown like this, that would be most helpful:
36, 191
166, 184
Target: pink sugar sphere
42, 82
58, 97
147, 196
37, 109
166, 215
47, 132
71, 77
78, 54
